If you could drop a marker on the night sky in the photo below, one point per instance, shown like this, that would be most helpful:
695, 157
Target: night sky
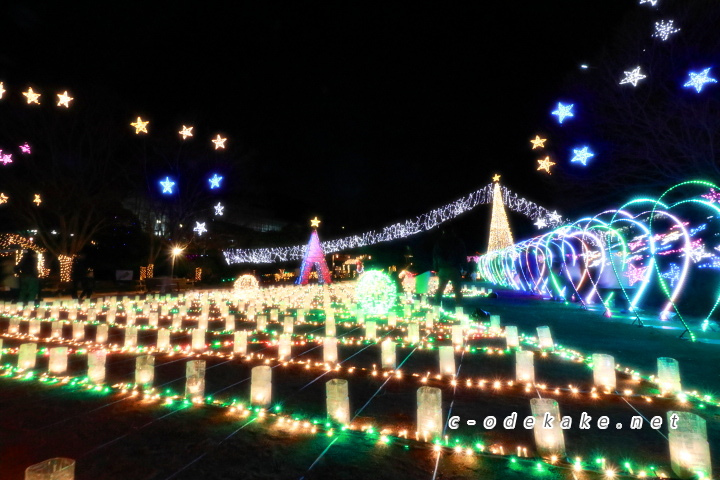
362, 113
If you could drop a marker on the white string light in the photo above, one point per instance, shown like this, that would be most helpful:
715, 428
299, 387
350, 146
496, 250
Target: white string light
398, 230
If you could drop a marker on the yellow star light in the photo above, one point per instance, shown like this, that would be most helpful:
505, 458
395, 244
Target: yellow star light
31, 96
37, 200
545, 164
538, 142
219, 142
496, 178
186, 132
64, 99
2, 89
140, 126
3, 198
315, 222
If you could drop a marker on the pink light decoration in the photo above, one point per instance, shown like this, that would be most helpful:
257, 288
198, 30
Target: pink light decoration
25, 148
5, 158
635, 274
314, 257
712, 196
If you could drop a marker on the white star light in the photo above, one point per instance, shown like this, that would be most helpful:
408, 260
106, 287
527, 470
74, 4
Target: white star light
651, 2
664, 29
215, 181
200, 228
167, 185
563, 111
219, 209
540, 223
581, 155
633, 77
698, 80
554, 217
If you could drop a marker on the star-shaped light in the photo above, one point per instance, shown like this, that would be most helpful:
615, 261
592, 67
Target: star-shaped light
673, 274
2, 89
698, 80
635, 274
496, 178
25, 148
219, 142
315, 222
37, 200
219, 208
3, 198
140, 126
5, 158
200, 228
215, 181
540, 223
538, 142
581, 155
64, 99
167, 185
663, 30
712, 196
186, 132
545, 164
31, 96
563, 111
554, 217
633, 77
651, 2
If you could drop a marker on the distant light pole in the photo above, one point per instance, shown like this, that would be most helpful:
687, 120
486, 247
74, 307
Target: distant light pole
175, 252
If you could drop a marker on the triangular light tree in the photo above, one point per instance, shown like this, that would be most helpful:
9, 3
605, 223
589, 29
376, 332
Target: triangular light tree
500, 234
314, 256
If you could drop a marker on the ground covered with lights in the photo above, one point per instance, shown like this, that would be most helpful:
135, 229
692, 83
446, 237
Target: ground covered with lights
118, 429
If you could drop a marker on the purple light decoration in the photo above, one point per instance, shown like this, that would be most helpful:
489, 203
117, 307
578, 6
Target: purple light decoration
712, 196
5, 158
25, 148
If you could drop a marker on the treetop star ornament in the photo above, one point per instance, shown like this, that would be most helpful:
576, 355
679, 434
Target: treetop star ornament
219, 142
200, 228
581, 155
215, 181
32, 97
64, 99
219, 209
563, 111
3, 198
167, 185
545, 164
538, 142
698, 80
496, 178
663, 30
315, 222
25, 148
140, 126
186, 132
633, 77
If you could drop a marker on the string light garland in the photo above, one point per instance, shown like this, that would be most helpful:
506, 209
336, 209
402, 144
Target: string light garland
64, 99
698, 80
403, 229
186, 132
32, 97
633, 77
140, 126
664, 29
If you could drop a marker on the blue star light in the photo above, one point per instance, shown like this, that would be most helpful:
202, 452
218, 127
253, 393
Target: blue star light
167, 185
581, 155
698, 80
215, 181
563, 111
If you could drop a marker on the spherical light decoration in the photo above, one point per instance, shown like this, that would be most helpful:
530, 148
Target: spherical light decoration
246, 286
376, 292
